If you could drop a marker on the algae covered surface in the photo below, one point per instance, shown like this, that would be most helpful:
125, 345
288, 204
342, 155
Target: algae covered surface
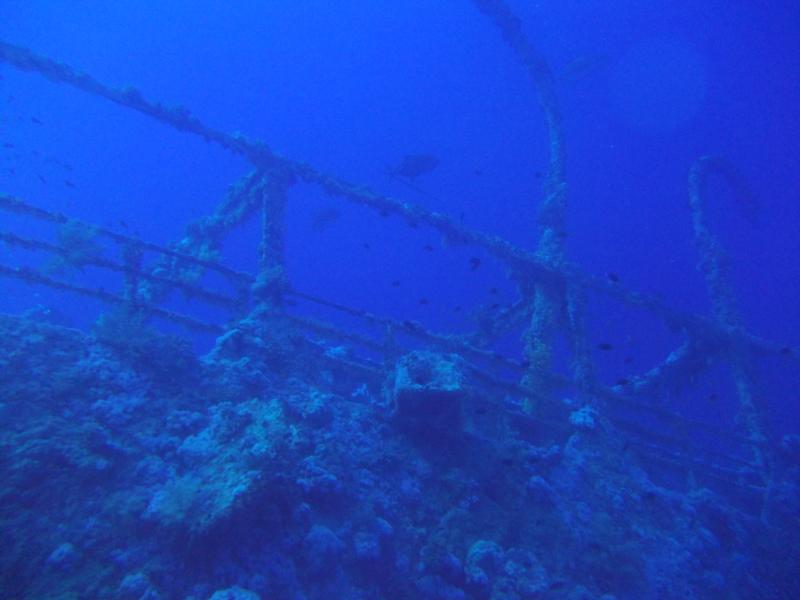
158, 474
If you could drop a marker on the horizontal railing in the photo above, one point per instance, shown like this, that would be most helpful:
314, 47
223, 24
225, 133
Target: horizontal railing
538, 273
473, 355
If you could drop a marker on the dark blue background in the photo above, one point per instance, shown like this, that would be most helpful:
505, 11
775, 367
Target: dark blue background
351, 87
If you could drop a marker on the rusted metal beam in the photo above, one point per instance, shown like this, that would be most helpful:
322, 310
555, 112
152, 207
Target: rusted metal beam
190, 290
33, 277
525, 262
18, 206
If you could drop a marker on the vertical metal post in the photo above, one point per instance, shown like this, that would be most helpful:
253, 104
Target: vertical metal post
271, 281
552, 302
715, 267
132, 255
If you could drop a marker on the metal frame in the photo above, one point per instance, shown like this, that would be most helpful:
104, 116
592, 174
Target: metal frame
553, 290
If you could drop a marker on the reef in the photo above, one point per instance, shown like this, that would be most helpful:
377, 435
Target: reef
145, 472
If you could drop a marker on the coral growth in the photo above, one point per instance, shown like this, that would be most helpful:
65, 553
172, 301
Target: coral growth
120, 484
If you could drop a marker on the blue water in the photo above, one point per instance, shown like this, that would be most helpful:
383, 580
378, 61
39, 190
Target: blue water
353, 87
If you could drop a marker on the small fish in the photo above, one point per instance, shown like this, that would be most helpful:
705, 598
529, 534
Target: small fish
786, 351
290, 302
604, 346
42, 179
524, 363
623, 381
384, 213
410, 325
478, 172
427, 248
628, 360
538, 174
474, 263
8, 145
395, 283
495, 306
612, 277
423, 301
37, 121
414, 165
123, 224
324, 217
493, 290
582, 66
69, 184
713, 397
413, 224
457, 308
366, 246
